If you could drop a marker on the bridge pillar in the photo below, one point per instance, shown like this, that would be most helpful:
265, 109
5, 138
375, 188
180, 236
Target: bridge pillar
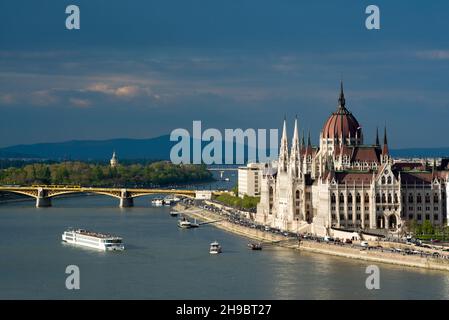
43, 202
42, 199
125, 200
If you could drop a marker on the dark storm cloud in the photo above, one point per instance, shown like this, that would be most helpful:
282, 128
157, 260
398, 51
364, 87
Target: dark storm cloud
143, 68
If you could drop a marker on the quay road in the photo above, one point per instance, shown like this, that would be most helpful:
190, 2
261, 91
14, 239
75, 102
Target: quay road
44, 193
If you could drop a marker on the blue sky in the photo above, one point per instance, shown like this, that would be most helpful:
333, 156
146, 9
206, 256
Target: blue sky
140, 69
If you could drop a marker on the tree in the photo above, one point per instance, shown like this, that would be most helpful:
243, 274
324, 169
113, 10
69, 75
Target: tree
427, 227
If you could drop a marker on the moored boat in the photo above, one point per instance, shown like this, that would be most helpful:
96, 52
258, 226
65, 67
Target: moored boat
184, 223
255, 246
174, 213
157, 202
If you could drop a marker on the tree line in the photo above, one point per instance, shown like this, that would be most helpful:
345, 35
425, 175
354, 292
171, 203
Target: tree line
102, 175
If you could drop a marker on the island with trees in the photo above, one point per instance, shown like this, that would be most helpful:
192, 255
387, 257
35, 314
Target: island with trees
102, 175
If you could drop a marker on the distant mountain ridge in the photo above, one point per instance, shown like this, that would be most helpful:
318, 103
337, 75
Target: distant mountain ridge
157, 148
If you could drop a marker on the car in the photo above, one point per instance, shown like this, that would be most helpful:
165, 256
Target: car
364, 244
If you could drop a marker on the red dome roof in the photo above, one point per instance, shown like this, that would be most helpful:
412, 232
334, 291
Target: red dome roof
341, 123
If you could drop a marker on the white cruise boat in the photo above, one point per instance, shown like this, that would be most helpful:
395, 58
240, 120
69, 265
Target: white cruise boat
215, 248
100, 241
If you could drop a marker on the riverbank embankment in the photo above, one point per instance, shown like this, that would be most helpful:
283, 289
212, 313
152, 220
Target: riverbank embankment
354, 251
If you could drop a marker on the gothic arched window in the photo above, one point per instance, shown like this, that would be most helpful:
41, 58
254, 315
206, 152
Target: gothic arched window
297, 194
419, 198
366, 198
333, 198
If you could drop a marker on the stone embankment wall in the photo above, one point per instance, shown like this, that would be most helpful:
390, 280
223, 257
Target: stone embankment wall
352, 252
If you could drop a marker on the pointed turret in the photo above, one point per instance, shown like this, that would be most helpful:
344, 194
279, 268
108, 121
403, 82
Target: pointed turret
377, 136
303, 143
385, 151
295, 151
309, 149
113, 161
283, 150
294, 154
341, 99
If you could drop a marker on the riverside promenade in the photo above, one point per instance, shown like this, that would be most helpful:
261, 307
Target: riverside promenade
354, 251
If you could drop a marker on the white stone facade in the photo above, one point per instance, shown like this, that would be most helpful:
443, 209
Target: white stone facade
345, 184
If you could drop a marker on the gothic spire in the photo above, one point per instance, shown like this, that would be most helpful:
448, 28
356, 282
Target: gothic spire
377, 136
309, 143
295, 151
295, 141
303, 143
385, 148
283, 151
341, 99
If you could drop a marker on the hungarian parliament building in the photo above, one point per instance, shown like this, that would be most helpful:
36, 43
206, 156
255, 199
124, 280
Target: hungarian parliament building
346, 184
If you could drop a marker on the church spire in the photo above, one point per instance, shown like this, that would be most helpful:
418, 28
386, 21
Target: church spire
385, 148
303, 143
309, 144
295, 151
377, 136
341, 99
385, 151
295, 141
283, 151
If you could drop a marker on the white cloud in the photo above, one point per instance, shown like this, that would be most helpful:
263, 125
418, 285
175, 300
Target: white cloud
81, 103
127, 91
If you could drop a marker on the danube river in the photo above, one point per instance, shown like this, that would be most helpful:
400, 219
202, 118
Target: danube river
162, 261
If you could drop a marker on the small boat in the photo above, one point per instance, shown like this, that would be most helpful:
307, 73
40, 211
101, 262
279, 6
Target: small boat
215, 248
174, 213
184, 223
255, 246
171, 200
157, 202
194, 224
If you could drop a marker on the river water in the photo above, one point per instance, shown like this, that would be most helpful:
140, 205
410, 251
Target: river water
162, 261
